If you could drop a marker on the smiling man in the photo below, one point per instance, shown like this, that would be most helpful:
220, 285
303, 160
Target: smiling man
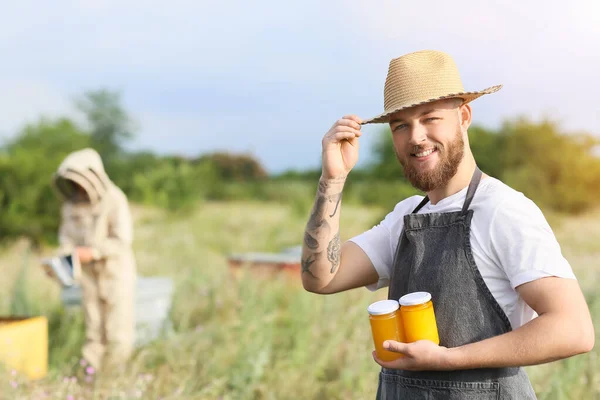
504, 295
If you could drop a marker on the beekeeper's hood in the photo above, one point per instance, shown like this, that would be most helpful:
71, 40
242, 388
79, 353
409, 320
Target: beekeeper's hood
85, 168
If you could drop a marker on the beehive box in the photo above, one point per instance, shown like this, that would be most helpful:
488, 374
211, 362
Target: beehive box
267, 265
152, 306
24, 345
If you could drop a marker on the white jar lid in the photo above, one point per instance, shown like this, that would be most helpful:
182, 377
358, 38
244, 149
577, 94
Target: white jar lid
383, 307
416, 298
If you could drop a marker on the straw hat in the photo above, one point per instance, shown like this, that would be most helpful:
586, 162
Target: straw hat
422, 77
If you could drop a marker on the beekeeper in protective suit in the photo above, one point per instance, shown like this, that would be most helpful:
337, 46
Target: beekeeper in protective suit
97, 226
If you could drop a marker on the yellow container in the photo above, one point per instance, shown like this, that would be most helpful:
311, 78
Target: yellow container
418, 317
24, 345
385, 325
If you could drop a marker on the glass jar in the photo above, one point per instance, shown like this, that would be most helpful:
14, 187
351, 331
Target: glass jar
418, 317
386, 324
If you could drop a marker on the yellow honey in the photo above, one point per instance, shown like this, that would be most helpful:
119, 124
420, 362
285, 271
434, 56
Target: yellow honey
385, 325
418, 317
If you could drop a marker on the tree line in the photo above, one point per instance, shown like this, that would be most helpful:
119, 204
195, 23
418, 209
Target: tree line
558, 170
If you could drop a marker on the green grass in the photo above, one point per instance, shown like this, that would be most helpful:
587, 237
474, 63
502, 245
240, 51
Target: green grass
251, 338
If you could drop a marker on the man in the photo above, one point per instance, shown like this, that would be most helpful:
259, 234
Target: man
484, 251
96, 225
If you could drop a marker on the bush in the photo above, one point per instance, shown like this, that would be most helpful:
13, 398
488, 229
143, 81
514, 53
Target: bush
28, 204
557, 171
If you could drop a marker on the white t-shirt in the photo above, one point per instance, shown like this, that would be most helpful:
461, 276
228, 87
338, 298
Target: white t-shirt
511, 241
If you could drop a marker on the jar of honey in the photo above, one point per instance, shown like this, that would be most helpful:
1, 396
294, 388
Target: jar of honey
418, 317
385, 325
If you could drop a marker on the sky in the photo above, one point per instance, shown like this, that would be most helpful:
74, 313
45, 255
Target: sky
269, 78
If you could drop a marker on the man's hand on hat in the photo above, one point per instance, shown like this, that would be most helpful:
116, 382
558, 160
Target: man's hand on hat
422, 355
340, 147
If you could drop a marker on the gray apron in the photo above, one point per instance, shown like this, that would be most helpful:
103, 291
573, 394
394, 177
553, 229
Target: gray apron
434, 255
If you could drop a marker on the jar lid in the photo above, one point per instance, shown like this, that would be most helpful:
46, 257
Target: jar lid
383, 307
413, 299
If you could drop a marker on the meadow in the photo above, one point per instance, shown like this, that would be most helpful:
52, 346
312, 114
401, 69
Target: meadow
252, 338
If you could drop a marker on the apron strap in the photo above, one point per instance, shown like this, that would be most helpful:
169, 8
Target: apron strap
421, 204
472, 188
470, 193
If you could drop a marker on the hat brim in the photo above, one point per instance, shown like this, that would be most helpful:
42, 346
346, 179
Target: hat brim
466, 96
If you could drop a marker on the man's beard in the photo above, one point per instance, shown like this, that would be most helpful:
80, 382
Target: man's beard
450, 158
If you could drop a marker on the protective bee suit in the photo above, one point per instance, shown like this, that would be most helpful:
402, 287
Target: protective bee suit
100, 220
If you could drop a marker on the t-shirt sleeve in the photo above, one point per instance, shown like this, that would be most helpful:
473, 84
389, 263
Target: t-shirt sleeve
376, 244
380, 242
524, 245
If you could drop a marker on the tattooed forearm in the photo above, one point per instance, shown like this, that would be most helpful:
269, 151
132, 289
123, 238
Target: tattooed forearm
321, 249
333, 252
307, 262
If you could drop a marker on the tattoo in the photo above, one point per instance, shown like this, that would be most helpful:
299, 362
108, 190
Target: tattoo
306, 263
333, 252
319, 229
339, 199
310, 241
317, 219
325, 184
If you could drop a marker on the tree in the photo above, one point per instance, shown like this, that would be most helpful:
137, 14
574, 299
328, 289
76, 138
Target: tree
554, 169
487, 147
235, 167
385, 163
110, 125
